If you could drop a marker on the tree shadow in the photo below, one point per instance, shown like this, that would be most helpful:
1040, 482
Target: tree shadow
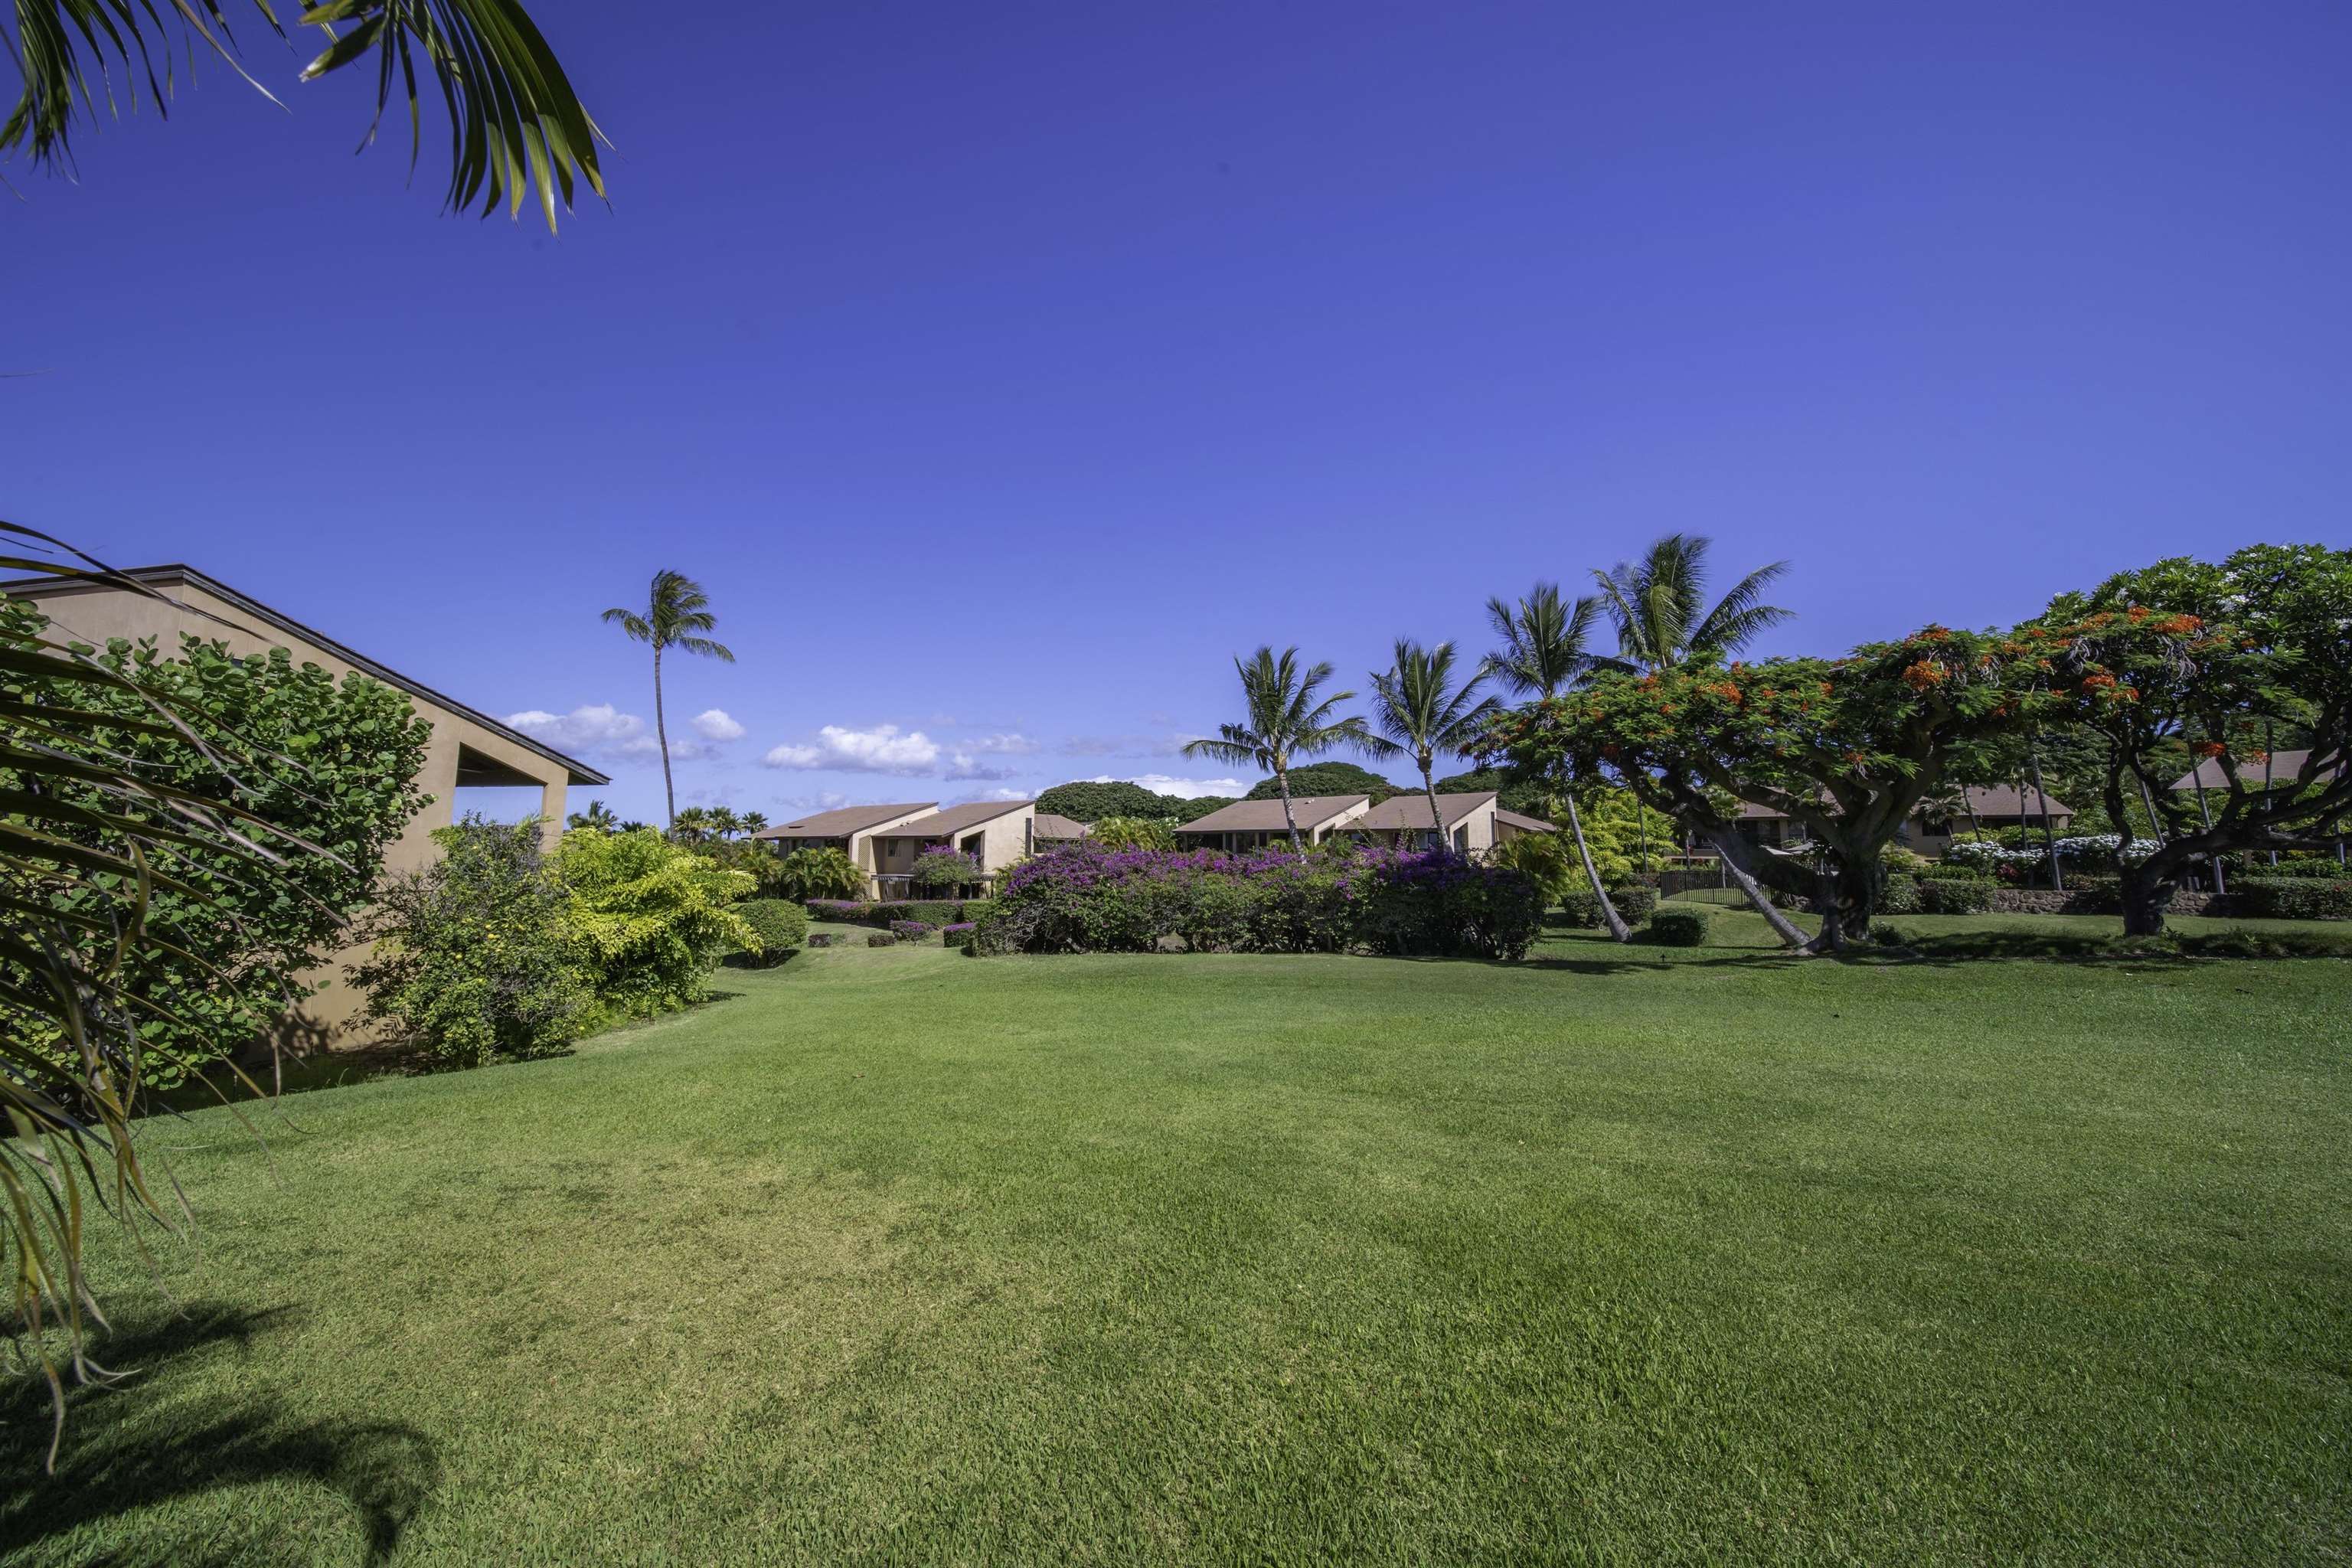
133, 1444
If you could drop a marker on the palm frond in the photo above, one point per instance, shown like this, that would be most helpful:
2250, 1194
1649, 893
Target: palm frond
515, 122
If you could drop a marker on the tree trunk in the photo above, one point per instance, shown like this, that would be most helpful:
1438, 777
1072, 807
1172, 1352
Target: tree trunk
661, 731
2213, 862
1641, 831
1976, 825
2145, 899
1289, 817
2048, 836
1733, 850
1850, 897
1437, 822
1618, 930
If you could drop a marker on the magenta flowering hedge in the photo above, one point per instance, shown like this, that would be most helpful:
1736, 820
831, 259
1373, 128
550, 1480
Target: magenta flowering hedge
911, 931
1086, 899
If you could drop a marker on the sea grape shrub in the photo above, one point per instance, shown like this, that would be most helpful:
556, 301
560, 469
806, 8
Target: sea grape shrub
1086, 899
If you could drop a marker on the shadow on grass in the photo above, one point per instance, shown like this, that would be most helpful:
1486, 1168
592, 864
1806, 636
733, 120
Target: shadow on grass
133, 1444
1979, 947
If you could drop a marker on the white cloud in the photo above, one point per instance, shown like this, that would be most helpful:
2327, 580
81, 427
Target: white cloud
1010, 744
1163, 783
994, 794
1124, 745
717, 724
601, 731
881, 750
964, 765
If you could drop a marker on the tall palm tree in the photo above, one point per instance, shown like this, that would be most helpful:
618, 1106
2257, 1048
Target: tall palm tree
1544, 654
676, 615
1659, 606
752, 823
1285, 723
1421, 713
514, 120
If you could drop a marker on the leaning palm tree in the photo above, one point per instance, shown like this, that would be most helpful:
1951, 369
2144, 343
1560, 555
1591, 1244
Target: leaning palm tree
1544, 654
676, 616
1422, 713
1663, 619
1285, 723
514, 120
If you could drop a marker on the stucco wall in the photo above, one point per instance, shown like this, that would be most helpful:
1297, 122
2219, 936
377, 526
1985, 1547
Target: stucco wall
97, 615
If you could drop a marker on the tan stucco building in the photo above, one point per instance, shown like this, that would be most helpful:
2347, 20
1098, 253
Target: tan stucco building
1474, 823
1254, 823
852, 829
996, 833
468, 748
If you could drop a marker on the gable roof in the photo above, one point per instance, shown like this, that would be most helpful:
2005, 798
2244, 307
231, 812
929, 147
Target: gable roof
159, 577
845, 821
956, 819
1049, 827
1524, 823
1989, 800
1265, 815
2284, 767
1410, 813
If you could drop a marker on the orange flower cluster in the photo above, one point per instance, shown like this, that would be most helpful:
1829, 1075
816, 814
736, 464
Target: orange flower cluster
1919, 676
2209, 748
1725, 689
1827, 689
2097, 682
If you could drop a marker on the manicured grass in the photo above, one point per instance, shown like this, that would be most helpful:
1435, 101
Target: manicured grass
1623, 1255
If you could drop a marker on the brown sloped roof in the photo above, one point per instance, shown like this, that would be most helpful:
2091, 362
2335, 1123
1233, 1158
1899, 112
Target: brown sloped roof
1410, 813
956, 819
2284, 767
1049, 827
1524, 824
842, 823
1989, 800
1265, 815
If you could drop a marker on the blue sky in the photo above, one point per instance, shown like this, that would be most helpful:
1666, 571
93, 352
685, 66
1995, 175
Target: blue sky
1002, 370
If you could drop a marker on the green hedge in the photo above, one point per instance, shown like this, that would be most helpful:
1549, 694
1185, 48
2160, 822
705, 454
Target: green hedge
1679, 927
1634, 905
1902, 896
781, 925
1957, 895
2323, 869
880, 939
2290, 898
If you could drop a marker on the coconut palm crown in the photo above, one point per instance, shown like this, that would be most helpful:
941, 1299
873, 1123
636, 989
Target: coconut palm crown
1423, 714
1285, 722
1659, 605
677, 614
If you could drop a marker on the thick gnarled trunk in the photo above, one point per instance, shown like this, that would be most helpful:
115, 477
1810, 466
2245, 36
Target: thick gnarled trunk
1850, 888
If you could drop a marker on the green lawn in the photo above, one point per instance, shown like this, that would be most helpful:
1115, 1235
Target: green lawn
1622, 1255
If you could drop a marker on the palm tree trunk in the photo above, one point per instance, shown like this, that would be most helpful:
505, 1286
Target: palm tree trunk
1289, 817
2148, 805
1733, 851
2048, 836
1641, 831
1618, 930
1976, 826
661, 731
1436, 823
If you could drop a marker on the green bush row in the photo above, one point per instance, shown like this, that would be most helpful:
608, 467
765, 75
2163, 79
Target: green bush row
2291, 899
1634, 905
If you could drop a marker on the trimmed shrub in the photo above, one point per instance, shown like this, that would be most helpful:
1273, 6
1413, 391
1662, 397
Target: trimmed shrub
930, 911
957, 934
973, 911
843, 911
911, 931
1949, 872
780, 927
1958, 895
880, 939
1679, 927
1085, 898
2291, 899
1902, 896
2323, 868
1634, 905
820, 939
